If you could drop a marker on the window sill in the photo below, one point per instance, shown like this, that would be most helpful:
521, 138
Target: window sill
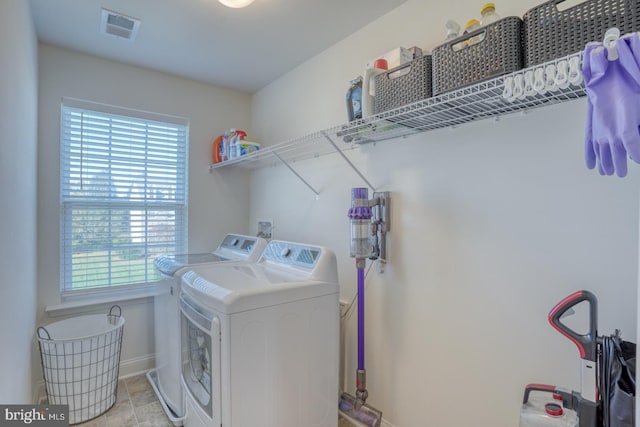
84, 303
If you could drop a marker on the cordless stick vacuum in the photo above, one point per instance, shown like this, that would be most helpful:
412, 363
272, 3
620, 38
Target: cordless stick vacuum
368, 232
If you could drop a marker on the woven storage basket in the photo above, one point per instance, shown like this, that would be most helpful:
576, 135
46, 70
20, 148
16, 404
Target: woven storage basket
500, 52
551, 33
406, 84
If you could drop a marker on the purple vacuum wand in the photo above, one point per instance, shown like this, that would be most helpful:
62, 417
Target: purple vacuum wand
360, 319
361, 248
368, 230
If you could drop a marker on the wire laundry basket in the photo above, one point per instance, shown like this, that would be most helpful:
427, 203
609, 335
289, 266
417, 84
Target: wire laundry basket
80, 362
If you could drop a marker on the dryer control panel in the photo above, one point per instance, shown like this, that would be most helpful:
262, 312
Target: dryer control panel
237, 243
292, 254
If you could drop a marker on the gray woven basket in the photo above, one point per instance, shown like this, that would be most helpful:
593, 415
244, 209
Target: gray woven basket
500, 52
551, 33
406, 84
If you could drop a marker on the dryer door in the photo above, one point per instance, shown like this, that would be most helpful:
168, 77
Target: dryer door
200, 350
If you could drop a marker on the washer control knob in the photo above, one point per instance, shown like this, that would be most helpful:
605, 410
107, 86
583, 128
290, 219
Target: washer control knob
235, 242
285, 252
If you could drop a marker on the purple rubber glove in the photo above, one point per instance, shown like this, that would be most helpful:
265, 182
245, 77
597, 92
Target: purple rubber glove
613, 91
633, 40
590, 152
630, 61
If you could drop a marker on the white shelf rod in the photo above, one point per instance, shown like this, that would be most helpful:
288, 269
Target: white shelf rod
296, 173
356, 170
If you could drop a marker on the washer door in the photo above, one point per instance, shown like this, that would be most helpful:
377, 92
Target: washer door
201, 356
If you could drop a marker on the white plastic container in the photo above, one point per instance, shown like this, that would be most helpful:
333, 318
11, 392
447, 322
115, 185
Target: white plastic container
471, 26
368, 86
233, 147
246, 147
489, 15
453, 29
395, 58
546, 413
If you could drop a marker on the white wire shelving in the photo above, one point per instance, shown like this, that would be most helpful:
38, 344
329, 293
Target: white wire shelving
469, 104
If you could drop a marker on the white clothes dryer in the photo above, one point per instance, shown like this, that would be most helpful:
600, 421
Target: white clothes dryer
260, 341
165, 378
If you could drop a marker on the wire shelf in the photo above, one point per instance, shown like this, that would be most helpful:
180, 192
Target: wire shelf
469, 104
301, 148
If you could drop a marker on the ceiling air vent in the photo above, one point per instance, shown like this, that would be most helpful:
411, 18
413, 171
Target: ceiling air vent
119, 25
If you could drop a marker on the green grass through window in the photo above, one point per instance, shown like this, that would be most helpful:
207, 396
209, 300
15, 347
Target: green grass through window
94, 268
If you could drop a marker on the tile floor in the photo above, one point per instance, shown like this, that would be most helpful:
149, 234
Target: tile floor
342, 422
136, 406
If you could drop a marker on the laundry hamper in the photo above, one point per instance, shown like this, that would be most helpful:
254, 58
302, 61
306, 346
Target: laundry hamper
80, 361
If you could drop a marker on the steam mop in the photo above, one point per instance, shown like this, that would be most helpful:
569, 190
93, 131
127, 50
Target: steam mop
596, 404
584, 403
368, 231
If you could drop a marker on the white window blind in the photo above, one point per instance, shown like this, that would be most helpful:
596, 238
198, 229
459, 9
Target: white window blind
123, 194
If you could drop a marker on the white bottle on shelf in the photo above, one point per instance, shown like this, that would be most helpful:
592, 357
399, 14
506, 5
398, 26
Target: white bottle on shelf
453, 29
470, 27
489, 15
230, 145
368, 86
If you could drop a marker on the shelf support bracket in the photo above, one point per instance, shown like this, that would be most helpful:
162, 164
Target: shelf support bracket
284, 162
346, 159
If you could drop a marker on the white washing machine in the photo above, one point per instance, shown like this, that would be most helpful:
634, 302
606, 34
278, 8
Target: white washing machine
260, 341
165, 379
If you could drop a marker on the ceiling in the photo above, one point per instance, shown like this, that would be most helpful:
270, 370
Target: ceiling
242, 49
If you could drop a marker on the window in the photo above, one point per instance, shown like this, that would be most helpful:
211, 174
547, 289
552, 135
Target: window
123, 194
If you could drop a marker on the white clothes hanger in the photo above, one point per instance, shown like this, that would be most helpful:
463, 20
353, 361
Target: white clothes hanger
610, 37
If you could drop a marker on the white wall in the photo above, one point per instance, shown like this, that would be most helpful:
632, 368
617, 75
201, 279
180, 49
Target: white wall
18, 142
217, 203
492, 224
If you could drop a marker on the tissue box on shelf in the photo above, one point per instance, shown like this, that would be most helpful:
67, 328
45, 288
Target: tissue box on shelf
397, 57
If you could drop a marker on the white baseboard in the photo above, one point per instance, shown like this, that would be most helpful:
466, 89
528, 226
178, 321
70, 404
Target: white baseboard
128, 368
137, 365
